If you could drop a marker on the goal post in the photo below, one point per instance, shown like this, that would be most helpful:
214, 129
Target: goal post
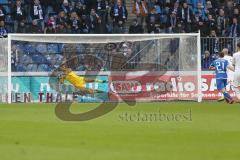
5, 77
156, 67
9, 59
199, 67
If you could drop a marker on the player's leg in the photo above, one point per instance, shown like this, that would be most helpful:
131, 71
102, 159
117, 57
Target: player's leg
60, 77
230, 82
221, 85
237, 85
237, 90
87, 80
83, 91
221, 99
227, 96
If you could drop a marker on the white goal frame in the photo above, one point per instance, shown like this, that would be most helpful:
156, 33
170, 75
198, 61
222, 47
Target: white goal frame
147, 36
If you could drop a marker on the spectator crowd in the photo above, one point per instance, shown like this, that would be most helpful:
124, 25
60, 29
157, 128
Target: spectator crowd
214, 18
220, 17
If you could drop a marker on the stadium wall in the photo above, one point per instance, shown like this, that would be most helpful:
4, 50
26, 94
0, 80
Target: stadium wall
28, 89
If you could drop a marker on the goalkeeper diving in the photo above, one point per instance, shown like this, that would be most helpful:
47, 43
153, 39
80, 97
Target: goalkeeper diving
78, 82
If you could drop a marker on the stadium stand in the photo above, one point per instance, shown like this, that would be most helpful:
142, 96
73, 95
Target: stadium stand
218, 21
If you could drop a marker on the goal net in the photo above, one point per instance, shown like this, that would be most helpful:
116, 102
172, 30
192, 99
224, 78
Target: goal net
5, 72
155, 67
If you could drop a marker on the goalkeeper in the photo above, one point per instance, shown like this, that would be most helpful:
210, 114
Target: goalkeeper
78, 81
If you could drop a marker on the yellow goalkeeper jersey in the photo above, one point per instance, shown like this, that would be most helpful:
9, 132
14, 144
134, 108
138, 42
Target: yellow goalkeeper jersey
77, 81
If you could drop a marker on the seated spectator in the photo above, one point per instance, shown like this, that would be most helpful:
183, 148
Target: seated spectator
179, 28
209, 8
200, 9
62, 29
229, 8
52, 20
3, 30
95, 22
206, 60
136, 27
236, 14
222, 23
66, 7
35, 28
234, 29
211, 23
81, 9
38, 13
153, 22
185, 15
140, 9
202, 27
196, 20
197, 2
74, 22
2, 13
50, 29
152, 28
19, 16
84, 28
61, 18
119, 15
213, 44
172, 22
102, 10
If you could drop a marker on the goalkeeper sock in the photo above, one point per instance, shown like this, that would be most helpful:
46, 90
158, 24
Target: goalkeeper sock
227, 96
101, 81
98, 81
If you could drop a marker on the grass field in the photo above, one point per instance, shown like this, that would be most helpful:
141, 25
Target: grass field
33, 132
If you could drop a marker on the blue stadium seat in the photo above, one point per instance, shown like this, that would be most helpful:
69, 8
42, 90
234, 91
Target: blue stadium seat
53, 48
61, 46
20, 68
81, 68
55, 66
8, 19
32, 68
25, 59
41, 48
45, 59
43, 68
30, 48
57, 60
48, 59
8, 9
37, 58
80, 48
20, 48
3, 1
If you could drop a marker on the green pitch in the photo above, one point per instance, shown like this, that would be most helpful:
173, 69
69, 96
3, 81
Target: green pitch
189, 131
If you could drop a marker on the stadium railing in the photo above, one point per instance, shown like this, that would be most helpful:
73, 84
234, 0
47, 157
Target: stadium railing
211, 46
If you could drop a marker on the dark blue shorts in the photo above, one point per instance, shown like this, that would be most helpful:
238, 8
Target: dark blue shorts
221, 83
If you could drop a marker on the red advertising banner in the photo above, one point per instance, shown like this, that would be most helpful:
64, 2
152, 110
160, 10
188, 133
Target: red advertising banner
162, 87
209, 88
